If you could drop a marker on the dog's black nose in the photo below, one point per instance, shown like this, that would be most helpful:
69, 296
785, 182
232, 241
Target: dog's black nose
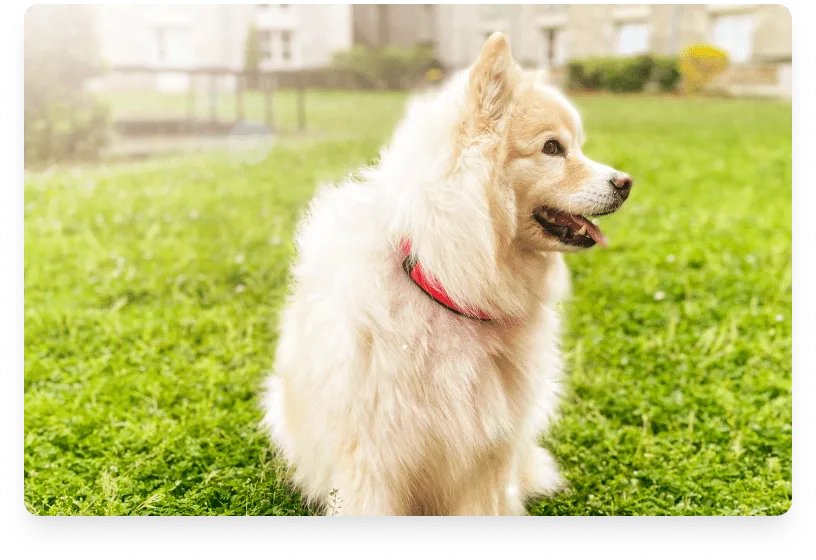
621, 182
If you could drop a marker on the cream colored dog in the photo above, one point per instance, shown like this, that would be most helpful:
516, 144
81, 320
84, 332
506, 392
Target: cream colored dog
418, 358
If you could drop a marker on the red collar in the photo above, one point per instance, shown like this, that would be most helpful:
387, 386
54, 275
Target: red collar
432, 288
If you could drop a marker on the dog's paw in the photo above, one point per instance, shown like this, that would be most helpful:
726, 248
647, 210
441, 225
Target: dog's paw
541, 476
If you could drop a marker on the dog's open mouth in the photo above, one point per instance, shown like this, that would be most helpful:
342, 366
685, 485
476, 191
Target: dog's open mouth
570, 229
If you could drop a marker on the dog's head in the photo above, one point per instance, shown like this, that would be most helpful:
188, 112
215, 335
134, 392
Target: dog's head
488, 181
555, 188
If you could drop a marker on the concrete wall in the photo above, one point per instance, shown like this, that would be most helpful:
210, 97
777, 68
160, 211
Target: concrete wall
592, 27
405, 25
315, 32
592, 30
773, 32
215, 35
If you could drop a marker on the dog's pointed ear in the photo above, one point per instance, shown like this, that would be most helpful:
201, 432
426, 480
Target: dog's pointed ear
493, 77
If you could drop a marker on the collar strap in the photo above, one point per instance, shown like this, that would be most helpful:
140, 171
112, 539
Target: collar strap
431, 286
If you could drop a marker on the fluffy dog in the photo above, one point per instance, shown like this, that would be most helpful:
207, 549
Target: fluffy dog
418, 358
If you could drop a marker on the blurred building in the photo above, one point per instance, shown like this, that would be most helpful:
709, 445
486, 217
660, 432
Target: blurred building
757, 38
406, 25
184, 37
297, 36
290, 36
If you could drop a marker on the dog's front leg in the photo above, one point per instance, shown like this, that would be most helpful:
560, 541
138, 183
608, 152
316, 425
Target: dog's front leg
489, 489
362, 495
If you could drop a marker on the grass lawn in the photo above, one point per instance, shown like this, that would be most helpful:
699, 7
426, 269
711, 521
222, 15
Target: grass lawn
327, 112
152, 293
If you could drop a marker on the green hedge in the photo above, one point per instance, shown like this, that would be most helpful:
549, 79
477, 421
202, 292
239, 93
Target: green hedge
389, 67
65, 128
624, 74
62, 120
666, 73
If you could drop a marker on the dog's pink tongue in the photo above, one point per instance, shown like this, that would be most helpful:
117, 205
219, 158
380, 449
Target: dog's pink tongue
592, 230
570, 220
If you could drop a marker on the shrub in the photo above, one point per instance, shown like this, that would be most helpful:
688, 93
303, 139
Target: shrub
623, 74
666, 73
700, 64
388, 67
626, 74
61, 119
70, 127
617, 74
584, 74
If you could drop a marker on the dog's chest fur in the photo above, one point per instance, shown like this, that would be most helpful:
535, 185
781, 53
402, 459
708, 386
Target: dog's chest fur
380, 382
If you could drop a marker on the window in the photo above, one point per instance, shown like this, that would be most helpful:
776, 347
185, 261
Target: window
265, 45
276, 46
734, 33
172, 45
286, 45
554, 52
633, 38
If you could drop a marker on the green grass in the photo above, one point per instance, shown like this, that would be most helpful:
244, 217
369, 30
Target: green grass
327, 112
152, 292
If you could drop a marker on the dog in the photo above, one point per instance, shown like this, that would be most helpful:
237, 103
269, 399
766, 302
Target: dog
418, 358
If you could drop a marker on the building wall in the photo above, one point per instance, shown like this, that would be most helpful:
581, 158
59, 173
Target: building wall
405, 25
214, 36
366, 26
586, 30
773, 32
591, 30
315, 31
325, 30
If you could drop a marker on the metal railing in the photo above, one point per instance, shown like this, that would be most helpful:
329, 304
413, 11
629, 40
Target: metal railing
208, 82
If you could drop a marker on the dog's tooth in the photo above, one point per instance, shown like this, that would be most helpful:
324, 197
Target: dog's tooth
582, 231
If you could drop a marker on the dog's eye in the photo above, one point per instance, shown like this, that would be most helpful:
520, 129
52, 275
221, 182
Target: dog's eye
553, 148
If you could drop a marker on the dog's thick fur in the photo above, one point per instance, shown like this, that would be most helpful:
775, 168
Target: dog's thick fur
386, 400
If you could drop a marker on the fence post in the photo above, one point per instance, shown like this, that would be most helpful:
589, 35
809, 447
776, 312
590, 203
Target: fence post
213, 97
190, 102
301, 107
268, 89
239, 97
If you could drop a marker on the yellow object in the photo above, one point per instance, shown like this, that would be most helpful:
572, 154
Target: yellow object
433, 75
700, 64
